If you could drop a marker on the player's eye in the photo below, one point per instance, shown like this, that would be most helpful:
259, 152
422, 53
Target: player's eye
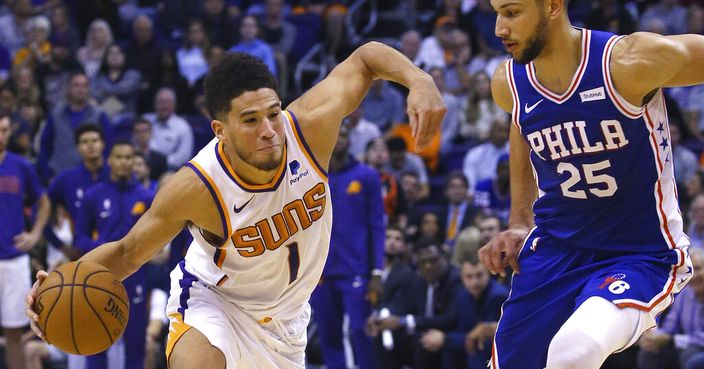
274, 114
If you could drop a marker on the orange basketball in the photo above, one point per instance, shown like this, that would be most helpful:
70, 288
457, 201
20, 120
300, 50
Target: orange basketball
83, 308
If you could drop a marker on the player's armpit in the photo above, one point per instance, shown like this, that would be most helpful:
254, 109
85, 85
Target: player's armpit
182, 199
643, 62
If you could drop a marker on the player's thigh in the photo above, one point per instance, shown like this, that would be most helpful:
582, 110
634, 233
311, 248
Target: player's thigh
194, 351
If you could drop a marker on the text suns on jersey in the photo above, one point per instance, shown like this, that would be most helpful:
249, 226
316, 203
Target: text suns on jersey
566, 139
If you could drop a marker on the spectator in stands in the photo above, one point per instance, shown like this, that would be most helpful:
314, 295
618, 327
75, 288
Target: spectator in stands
402, 161
434, 48
109, 209
142, 173
450, 123
144, 54
680, 336
171, 134
68, 188
383, 105
213, 57
377, 156
398, 279
695, 19
429, 229
33, 114
672, 15
696, 222
53, 76
483, 18
251, 44
62, 29
685, 161
115, 87
12, 25
141, 137
478, 111
280, 34
694, 110
456, 72
220, 25
19, 185
169, 76
57, 151
355, 264
410, 45
191, 56
459, 212
38, 48
361, 133
434, 304
25, 84
494, 194
611, 16
98, 39
333, 37
480, 161
479, 304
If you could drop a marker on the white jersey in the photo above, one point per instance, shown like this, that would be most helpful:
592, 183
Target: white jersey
278, 234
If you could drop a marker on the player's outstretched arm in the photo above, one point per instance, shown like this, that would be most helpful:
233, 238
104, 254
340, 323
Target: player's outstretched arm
643, 62
503, 249
322, 108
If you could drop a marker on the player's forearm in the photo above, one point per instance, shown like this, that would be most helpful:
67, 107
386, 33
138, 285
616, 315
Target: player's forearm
113, 256
42, 218
387, 63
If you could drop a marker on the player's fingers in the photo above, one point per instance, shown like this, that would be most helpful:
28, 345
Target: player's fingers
511, 255
421, 136
413, 122
41, 275
36, 330
495, 257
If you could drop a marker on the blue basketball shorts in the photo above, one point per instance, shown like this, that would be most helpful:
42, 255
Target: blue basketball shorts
555, 279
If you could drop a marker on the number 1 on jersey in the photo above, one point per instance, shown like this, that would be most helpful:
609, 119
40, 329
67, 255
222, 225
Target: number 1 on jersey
293, 261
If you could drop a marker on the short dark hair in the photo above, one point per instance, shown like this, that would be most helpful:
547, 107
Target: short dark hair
396, 144
121, 143
235, 75
456, 174
88, 127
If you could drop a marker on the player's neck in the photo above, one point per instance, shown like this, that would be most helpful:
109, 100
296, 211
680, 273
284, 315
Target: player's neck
559, 60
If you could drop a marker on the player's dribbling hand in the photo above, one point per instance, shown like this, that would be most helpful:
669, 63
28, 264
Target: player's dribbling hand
29, 304
426, 110
502, 251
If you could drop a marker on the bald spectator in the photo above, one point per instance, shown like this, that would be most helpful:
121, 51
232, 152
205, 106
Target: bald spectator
171, 134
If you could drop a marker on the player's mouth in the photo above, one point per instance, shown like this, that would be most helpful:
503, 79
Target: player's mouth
510, 46
268, 149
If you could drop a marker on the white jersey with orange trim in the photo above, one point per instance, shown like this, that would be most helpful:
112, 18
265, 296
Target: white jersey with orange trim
603, 166
278, 234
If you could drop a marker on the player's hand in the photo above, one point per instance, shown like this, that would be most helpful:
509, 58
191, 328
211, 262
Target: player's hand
375, 289
371, 327
25, 241
433, 340
29, 300
425, 109
392, 323
502, 251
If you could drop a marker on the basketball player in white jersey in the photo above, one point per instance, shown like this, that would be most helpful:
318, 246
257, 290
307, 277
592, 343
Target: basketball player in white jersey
257, 202
595, 228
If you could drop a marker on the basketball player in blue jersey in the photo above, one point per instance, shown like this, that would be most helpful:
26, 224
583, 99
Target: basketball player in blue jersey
595, 234
256, 201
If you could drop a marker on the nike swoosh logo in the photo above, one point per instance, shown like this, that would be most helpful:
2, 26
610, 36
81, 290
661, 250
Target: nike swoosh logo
237, 210
530, 108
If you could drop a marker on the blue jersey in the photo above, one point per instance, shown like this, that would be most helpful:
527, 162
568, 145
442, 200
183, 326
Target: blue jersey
18, 182
603, 166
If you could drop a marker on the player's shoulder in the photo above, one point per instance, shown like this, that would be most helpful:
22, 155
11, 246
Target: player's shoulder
500, 89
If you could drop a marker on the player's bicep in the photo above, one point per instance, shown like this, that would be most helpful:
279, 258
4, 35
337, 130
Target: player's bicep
321, 109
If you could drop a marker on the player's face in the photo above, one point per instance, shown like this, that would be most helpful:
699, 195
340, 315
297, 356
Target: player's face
90, 145
4, 133
522, 26
121, 160
475, 278
255, 128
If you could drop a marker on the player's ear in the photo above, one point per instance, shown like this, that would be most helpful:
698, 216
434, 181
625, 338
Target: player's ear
218, 128
556, 7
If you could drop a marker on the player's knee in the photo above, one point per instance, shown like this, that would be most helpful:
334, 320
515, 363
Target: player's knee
572, 349
194, 351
